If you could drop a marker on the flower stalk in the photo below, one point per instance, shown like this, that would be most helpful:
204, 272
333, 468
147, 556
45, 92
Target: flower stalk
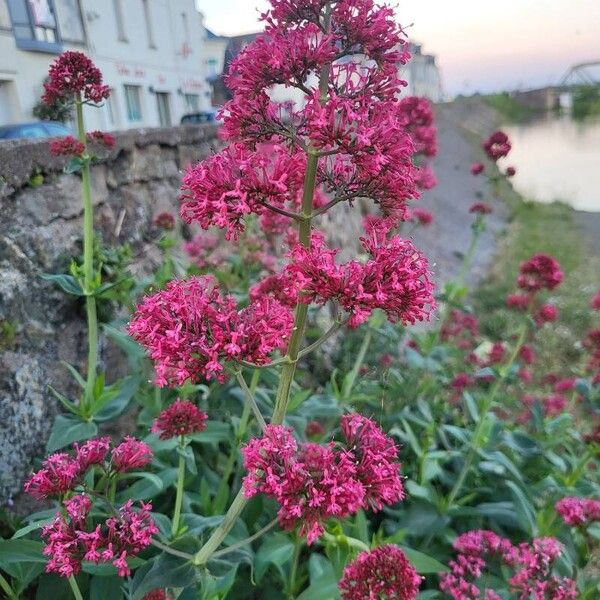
179, 492
88, 266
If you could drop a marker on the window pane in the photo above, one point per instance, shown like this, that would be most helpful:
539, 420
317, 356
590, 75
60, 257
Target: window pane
118, 10
69, 20
41, 13
18, 10
134, 106
4, 16
192, 102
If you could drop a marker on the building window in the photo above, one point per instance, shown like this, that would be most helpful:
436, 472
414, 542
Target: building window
164, 109
192, 102
186, 28
34, 25
148, 21
111, 108
4, 16
118, 10
70, 23
133, 102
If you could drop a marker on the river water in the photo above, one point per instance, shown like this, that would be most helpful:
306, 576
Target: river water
557, 158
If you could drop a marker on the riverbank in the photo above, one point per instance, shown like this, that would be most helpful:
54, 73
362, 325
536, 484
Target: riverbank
518, 228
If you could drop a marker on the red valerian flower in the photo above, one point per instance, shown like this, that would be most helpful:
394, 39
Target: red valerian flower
314, 482
71, 74
130, 454
540, 272
422, 216
58, 475
101, 138
477, 168
384, 572
532, 564
69, 542
461, 381
546, 314
511, 171
425, 178
92, 452
190, 330
165, 220
417, 115
314, 429
181, 418
578, 511
67, 146
481, 208
554, 404
527, 354
595, 304
157, 594
497, 145
565, 385
519, 301
395, 278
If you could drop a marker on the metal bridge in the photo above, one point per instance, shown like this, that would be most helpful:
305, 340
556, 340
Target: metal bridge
585, 73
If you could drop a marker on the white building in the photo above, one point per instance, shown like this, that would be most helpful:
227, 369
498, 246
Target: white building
422, 75
149, 51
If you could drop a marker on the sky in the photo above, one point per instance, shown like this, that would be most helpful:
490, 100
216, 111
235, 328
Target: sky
481, 45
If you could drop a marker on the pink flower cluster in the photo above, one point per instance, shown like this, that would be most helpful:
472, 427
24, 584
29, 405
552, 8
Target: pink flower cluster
578, 511
238, 181
190, 330
165, 220
100, 138
66, 146
497, 145
61, 472
69, 538
313, 482
71, 74
417, 115
395, 278
531, 563
384, 572
70, 541
180, 418
540, 272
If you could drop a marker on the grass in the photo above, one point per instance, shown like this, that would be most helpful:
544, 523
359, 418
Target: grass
548, 228
509, 108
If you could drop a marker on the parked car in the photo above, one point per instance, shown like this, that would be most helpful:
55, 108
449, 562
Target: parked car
205, 116
36, 129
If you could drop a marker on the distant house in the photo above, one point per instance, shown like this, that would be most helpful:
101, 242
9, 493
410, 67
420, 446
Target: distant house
422, 74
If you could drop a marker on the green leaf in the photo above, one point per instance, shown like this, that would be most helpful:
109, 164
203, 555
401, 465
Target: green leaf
75, 373
31, 527
67, 283
524, 509
70, 406
275, 550
424, 563
106, 588
323, 582
17, 551
121, 393
135, 353
215, 432
148, 485
67, 430
161, 572
74, 165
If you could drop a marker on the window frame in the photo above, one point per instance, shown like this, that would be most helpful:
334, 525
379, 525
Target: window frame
33, 44
138, 91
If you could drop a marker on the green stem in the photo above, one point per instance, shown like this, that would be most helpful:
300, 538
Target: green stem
88, 266
250, 400
248, 540
466, 265
75, 588
289, 369
112, 491
294, 569
351, 377
179, 495
10, 593
340, 540
487, 404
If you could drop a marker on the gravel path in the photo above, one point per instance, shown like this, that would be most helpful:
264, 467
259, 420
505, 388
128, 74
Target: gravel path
448, 237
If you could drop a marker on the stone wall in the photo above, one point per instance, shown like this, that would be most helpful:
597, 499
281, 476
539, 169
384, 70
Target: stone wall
40, 231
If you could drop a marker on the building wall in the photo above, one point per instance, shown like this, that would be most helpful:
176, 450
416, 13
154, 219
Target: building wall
156, 46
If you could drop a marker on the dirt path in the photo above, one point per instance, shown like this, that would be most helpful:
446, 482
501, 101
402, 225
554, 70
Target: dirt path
448, 237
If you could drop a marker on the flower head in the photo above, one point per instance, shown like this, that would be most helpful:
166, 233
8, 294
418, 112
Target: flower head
540, 272
481, 208
546, 314
497, 145
92, 452
422, 216
190, 329
66, 146
511, 171
578, 511
595, 303
381, 573
58, 475
181, 418
130, 454
477, 168
71, 74
165, 220
100, 138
